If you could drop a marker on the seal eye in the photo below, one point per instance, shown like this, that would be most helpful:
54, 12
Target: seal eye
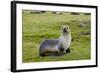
67, 27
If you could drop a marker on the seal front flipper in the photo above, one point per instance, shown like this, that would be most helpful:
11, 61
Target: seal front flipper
68, 50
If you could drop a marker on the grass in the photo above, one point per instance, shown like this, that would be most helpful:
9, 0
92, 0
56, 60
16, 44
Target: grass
37, 27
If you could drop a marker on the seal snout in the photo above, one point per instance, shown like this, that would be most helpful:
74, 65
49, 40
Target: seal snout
65, 28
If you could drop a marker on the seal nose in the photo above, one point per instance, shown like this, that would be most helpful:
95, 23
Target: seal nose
64, 30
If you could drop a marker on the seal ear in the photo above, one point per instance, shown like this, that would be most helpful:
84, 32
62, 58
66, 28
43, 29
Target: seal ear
67, 27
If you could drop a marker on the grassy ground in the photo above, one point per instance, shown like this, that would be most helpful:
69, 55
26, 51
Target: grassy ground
37, 27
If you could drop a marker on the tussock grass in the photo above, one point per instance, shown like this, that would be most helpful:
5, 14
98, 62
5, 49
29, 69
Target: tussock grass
37, 27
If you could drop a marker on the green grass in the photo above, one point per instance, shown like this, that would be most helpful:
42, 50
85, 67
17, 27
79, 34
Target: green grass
37, 27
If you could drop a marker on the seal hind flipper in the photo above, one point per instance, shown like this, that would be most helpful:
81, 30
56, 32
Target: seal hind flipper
42, 54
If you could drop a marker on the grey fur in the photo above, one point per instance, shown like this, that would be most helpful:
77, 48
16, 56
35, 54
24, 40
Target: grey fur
53, 44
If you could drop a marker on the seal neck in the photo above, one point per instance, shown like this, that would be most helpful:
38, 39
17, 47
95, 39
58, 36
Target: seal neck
65, 33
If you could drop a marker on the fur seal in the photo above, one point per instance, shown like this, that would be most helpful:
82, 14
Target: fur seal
57, 46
